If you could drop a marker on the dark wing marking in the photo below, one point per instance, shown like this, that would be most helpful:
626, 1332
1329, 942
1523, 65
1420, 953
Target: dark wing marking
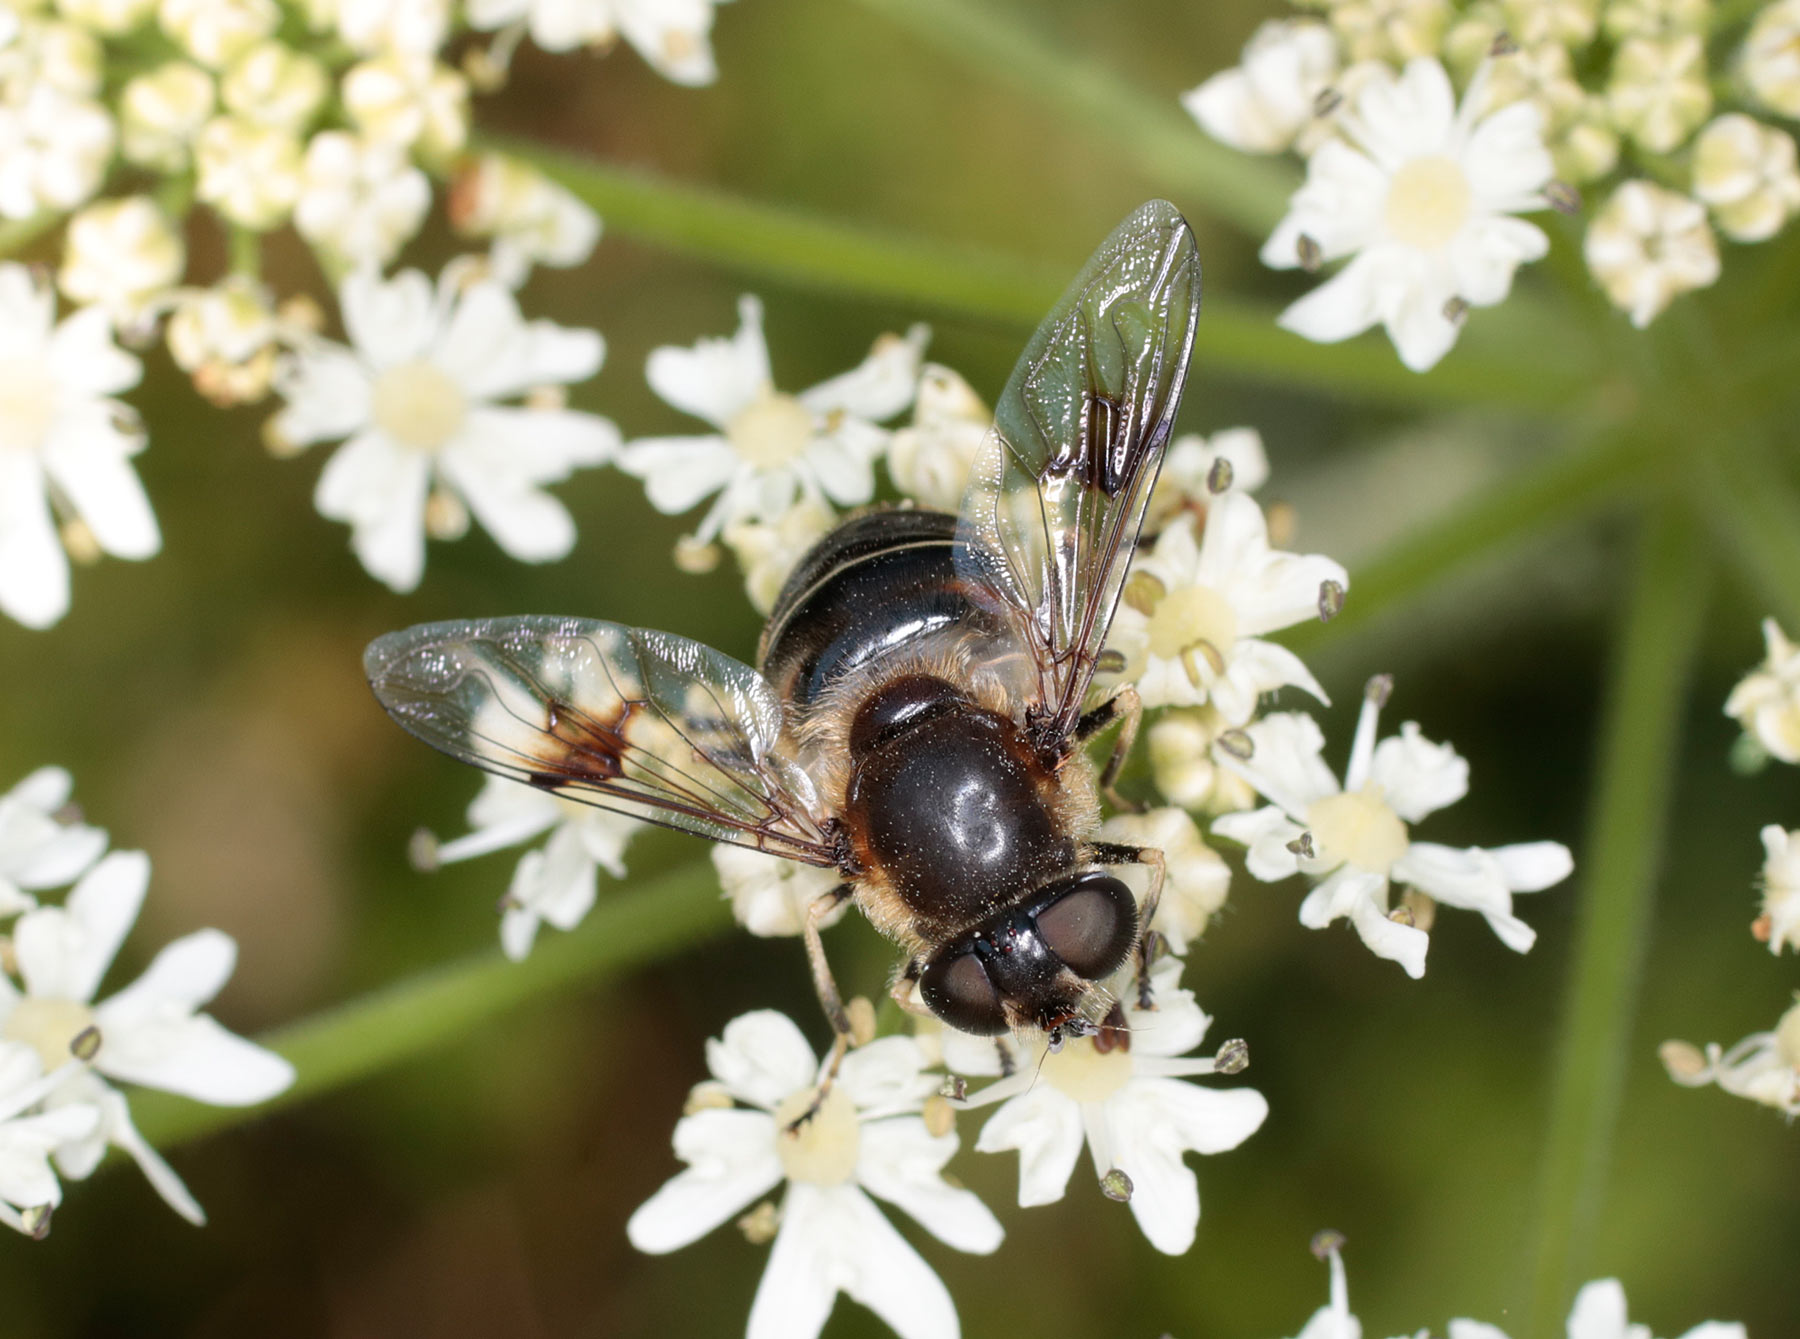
643, 723
1059, 489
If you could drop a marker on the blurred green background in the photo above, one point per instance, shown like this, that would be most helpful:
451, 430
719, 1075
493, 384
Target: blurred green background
211, 707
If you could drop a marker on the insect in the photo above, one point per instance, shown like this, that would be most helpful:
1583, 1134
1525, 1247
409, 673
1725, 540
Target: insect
918, 713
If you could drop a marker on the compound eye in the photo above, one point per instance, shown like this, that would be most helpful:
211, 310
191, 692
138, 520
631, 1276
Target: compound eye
1090, 927
956, 988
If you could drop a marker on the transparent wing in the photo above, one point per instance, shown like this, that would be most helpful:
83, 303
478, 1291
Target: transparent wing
1059, 488
644, 723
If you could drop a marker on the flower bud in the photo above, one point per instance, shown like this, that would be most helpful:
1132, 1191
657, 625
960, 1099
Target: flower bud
1744, 172
161, 113
120, 254
274, 85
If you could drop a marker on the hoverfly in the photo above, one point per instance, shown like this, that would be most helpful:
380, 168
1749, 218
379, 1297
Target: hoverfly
917, 716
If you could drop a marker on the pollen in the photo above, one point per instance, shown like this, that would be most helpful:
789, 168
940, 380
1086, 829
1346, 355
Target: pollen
1428, 202
50, 1027
1193, 617
418, 405
1358, 827
822, 1148
771, 430
1084, 1072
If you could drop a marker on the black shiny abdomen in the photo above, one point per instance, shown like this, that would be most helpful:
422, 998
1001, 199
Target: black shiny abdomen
876, 583
950, 809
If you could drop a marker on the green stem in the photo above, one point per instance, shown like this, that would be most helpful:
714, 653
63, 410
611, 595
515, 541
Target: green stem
360, 1038
803, 249
1570, 487
1638, 755
1152, 133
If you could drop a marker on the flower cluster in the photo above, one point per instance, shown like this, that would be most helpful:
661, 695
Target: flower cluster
1764, 1066
1421, 188
61, 1051
1599, 1311
341, 121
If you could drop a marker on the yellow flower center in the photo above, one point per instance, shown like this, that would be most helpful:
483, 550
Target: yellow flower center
27, 402
1358, 827
417, 405
771, 430
823, 1149
1196, 625
1428, 202
1085, 1073
49, 1027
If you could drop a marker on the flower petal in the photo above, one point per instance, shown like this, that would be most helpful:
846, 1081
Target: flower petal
731, 1160
1151, 1123
901, 1162
679, 471
64, 951
1418, 777
389, 321
880, 386
763, 1058
87, 456
196, 1057
1044, 1125
715, 378
328, 391
379, 488
34, 571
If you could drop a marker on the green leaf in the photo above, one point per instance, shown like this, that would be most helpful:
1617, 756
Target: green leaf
354, 1040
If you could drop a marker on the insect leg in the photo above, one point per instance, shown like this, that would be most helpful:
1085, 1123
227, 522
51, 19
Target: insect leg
1128, 708
1149, 941
823, 981
900, 989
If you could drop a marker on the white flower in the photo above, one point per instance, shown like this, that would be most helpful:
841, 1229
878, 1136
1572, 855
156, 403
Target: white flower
930, 459
771, 896
224, 337
40, 847
1422, 197
370, 26
532, 220
862, 1140
771, 448
1191, 468
1263, 105
217, 32
120, 254
161, 113
63, 438
1659, 93
672, 35
28, 1139
1764, 1067
250, 173
1182, 766
1196, 878
62, 56
1772, 57
54, 148
1127, 1103
1194, 612
1766, 702
1599, 1313
1656, 18
1744, 172
1335, 1320
1354, 837
767, 551
1570, 22
406, 98
149, 1033
275, 85
1396, 30
1646, 246
416, 398
1780, 920
360, 199
111, 17
555, 883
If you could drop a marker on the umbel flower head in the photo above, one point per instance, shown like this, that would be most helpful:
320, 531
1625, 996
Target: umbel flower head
1421, 195
774, 1117
418, 393
1355, 838
40, 846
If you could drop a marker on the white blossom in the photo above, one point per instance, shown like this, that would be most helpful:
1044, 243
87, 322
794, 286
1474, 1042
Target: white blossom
862, 1139
1570, 22
64, 441
1766, 702
61, 56
1335, 1320
224, 337
1648, 245
1779, 923
1127, 1102
41, 846
1772, 57
55, 140
1180, 750
1196, 877
408, 98
1191, 467
931, 458
120, 254
673, 36
1354, 838
1599, 1313
161, 114
1389, 30
112, 18
1421, 196
150, 1033
371, 26
360, 200
1764, 1067
249, 172
275, 85
417, 395
771, 448
217, 32
556, 882
769, 896
1195, 611
1745, 173
532, 220
767, 551
1264, 104
28, 1138
1659, 93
